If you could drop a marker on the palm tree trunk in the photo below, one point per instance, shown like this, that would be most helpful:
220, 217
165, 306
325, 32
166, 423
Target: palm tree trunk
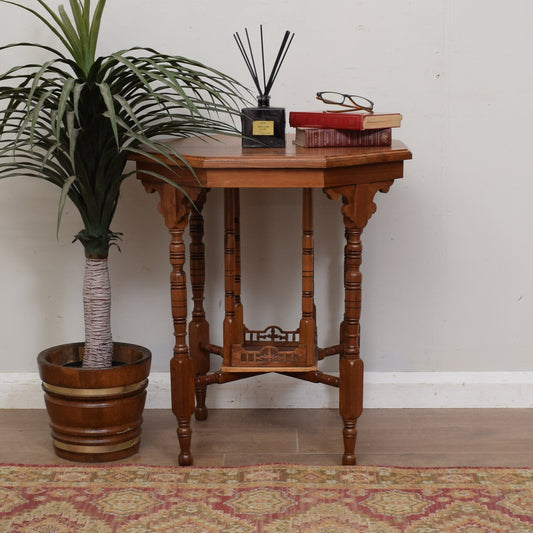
97, 314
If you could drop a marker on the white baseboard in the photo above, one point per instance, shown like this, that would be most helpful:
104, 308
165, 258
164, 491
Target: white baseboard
382, 390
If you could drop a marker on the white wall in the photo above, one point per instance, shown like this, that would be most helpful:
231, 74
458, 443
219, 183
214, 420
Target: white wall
447, 281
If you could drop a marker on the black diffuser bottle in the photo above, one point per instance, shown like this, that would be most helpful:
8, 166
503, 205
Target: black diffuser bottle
263, 126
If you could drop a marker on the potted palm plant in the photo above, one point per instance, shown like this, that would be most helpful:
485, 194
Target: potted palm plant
74, 120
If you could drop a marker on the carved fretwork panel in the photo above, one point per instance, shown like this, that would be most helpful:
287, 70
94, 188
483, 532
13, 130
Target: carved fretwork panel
271, 346
270, 335
268, 355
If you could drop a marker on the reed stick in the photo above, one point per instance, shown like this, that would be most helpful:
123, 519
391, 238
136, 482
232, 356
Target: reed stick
249, 59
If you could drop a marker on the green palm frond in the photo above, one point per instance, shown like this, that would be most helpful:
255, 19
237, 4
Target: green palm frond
75, 119
80, 35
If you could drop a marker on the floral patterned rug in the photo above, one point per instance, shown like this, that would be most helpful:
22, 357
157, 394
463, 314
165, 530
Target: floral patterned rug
267, 499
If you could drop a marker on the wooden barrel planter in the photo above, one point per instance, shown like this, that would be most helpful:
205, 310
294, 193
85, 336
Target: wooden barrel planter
95, 414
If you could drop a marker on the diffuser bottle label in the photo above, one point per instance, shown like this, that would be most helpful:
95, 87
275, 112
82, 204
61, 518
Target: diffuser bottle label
263, 127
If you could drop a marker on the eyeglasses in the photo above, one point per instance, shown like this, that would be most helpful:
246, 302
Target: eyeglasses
346, 100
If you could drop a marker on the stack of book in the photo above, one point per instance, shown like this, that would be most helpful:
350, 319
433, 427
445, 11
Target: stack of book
322, 129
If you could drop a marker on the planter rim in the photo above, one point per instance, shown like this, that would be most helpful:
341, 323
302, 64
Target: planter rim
137, 366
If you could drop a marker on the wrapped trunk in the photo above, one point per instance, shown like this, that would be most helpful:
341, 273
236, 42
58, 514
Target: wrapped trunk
97, 314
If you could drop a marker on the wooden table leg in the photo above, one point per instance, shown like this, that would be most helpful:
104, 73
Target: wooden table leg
350, 365
358, 207
175, 207
307, 322
232, 328
239, 311
198, 327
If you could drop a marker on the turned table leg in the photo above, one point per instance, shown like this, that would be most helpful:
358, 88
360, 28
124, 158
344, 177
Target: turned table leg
181, 368
358, 207
308, 320
198, 327
350, 365
239, 311
175, 206
232, 327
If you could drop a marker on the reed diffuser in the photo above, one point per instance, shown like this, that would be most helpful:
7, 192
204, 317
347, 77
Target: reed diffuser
263, 126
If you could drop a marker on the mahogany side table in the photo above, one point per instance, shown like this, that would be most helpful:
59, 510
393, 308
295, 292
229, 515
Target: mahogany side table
353, 174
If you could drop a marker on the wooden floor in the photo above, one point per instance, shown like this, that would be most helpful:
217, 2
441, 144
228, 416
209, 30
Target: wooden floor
393, 437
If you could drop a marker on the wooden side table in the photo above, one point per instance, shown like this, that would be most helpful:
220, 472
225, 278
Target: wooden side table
353, 174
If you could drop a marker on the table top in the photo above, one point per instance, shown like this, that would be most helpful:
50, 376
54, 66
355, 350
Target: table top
222, 162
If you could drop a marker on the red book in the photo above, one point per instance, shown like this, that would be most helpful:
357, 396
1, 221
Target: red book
324, 137
344, 121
